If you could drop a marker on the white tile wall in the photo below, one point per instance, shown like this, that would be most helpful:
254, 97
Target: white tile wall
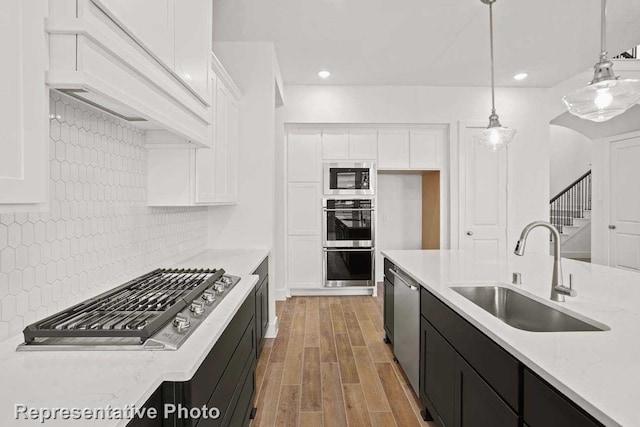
98, 231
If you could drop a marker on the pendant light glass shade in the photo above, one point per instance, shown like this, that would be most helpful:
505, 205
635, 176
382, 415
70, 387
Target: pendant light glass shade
606, 96
603, 100
495, 136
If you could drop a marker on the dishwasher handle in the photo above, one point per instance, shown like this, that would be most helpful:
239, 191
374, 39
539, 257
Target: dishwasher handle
409, 285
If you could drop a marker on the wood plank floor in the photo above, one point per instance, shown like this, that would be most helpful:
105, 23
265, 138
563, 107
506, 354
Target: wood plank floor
329, 367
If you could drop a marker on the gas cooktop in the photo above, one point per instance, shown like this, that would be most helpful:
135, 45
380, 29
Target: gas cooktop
157, 311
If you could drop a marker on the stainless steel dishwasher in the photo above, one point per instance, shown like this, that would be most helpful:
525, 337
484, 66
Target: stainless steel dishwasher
406, 325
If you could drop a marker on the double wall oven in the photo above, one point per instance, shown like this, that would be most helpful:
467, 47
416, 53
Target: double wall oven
348, 225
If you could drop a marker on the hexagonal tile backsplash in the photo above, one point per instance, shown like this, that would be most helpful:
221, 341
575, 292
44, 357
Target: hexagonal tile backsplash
98, 231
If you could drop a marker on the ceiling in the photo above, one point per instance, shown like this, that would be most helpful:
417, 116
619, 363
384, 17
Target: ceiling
428, 42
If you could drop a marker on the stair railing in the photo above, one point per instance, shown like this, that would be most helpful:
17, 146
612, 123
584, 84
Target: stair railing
571, 202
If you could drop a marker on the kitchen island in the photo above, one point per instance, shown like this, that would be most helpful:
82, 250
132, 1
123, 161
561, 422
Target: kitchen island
116, 379
598, 371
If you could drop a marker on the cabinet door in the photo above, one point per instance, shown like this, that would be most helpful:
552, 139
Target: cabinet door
193, 43
24, 102
546, 407
303, 155
229, 192
388, 309
303, 208
477, 404
363, 144
438, 374
149, 22
425, 148
304, 266
335, 144
260, 297
393, 149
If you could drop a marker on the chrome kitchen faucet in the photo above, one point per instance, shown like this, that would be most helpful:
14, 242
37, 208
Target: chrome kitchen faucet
558, 290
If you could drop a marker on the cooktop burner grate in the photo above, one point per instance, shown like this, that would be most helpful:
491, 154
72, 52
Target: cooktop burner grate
137, 309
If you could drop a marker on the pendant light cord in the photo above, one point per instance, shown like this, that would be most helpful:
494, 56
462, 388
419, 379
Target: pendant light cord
603, 31
493, 84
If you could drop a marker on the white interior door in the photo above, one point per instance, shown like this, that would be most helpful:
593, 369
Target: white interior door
483, 215
624, 241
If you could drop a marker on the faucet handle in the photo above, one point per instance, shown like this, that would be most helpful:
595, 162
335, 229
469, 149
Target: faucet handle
570, 292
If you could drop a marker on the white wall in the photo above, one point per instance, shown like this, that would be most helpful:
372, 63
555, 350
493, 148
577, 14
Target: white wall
523, 109
399, 214
570, 157
250, 223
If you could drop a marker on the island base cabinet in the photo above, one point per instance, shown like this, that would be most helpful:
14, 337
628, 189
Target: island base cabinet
479, 405
453, 392
438, 374
546, 407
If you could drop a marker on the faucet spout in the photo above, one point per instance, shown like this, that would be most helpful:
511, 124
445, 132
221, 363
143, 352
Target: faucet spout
557, 287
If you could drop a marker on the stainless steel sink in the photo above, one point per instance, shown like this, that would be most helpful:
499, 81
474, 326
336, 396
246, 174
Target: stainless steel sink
522, 312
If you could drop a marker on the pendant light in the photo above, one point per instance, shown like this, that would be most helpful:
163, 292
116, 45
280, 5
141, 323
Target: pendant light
606, 96
495, 136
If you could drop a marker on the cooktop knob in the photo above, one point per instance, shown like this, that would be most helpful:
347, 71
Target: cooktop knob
209, 296
181, 322
219, 287
197, 308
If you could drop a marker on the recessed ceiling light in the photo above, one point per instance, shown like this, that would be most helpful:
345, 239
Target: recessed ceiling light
324, 74
520, 76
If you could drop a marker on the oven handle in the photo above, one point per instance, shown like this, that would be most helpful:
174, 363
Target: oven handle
349, 210
348, 249
397, 276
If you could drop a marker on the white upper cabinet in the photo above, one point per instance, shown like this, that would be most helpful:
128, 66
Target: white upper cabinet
303, 155
393, 149
363, 144
150, 22
335, 144
193, 43
425, 148
416, 148
354, 144
24, 124
199, 176
175, 32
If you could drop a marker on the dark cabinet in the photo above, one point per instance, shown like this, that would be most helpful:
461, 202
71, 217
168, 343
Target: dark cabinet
544, 406
456, 395
467, 380
261, 293
388, 309
477, 404
155, 401
438, 374
387, 316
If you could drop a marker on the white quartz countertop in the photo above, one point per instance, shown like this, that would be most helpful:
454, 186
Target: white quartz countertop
599, 371
96, 379
240, 262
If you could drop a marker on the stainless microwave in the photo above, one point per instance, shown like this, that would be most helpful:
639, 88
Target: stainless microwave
349, 179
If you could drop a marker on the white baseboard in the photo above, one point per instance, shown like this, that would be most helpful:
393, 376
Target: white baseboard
281, 294
331, 292
272, 329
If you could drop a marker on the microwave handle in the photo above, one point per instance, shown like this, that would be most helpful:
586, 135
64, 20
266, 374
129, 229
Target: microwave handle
348, 249
348, 210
